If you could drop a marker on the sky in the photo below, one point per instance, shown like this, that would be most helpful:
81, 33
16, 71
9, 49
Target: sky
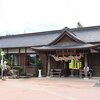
26, 16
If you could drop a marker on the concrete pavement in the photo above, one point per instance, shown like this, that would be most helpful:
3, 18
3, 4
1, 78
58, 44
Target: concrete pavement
49, 89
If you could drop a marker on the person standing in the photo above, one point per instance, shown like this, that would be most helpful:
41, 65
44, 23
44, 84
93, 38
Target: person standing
86, 70
4, 71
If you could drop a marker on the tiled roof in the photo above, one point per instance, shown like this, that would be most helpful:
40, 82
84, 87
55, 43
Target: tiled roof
56, 47
28, 40
86, 34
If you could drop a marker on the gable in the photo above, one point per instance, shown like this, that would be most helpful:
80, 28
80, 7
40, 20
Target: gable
66, 38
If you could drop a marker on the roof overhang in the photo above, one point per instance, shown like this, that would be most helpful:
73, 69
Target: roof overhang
59, 47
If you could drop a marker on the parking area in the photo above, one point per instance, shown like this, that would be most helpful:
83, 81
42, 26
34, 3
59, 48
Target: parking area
49, 89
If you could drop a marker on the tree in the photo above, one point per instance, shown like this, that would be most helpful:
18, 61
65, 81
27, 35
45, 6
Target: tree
79, 25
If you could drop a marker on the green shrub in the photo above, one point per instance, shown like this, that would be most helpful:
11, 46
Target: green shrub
19, 68
8, 68
8, 61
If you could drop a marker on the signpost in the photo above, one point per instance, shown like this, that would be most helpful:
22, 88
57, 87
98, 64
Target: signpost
2, 54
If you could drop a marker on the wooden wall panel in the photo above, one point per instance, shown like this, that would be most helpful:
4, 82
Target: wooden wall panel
43, 59
94, 63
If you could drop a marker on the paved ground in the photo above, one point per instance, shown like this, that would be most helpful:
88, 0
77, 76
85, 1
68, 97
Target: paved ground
49, 89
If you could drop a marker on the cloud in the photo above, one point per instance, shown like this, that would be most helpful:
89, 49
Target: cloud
36, 15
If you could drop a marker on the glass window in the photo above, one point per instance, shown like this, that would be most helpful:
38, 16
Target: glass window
31, 59
14, 59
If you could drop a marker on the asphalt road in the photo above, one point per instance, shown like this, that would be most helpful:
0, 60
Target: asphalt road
49, 89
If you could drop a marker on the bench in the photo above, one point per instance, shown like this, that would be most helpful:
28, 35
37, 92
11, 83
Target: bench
55, 72
82, 74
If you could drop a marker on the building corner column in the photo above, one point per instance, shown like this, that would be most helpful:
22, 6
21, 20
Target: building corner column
48, 66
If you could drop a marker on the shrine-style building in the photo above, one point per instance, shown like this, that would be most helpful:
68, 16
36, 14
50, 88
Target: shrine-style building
55, 48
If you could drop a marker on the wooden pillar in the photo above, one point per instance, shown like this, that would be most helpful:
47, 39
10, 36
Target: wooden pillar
86, 64
48, 71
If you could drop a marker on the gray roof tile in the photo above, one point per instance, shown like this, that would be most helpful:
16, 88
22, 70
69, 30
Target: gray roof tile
86, 34
28, 40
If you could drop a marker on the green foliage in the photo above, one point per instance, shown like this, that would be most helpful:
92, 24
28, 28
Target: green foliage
8, 61
0, 53
37, 62
8, 68
4, 58
38, 66
19, 68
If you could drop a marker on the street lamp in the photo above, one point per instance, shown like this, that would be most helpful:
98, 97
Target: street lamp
2, 54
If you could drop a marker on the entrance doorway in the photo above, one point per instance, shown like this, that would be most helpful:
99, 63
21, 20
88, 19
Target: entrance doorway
68, 68
65, 71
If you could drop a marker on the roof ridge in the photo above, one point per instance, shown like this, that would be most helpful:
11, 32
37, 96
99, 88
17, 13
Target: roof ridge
33, 33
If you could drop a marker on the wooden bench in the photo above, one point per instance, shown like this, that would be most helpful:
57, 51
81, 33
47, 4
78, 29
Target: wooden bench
82, 74
55, 72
